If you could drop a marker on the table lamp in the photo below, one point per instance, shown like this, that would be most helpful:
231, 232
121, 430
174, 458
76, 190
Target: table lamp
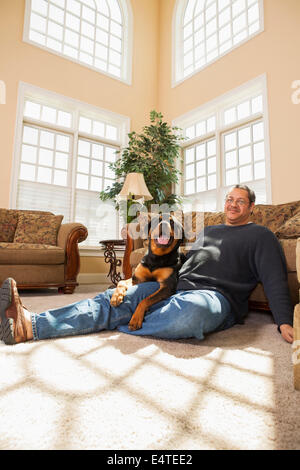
134, 186
134, 189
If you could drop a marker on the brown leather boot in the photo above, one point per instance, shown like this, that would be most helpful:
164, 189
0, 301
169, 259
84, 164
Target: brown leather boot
13, 329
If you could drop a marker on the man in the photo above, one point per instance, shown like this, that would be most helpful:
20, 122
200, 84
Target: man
215, 282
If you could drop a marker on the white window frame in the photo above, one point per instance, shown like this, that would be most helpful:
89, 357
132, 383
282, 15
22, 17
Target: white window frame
75, 107
127, 49
177, 42
217, 107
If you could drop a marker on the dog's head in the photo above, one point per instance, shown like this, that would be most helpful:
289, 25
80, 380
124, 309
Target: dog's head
165, 233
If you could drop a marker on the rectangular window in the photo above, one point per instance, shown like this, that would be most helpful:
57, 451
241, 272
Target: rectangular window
62, 160
226, 144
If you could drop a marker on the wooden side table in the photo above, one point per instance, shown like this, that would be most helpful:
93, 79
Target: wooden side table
110, 256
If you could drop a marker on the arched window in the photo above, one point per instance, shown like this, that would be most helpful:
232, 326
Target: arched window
95, 33
204, 30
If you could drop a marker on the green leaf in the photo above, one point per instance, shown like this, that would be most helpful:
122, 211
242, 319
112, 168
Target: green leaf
154, 152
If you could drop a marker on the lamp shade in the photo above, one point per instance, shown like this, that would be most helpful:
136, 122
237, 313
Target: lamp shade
135, 185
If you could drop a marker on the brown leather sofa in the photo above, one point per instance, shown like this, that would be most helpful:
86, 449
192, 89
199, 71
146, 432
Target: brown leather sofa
38, 251
282, 219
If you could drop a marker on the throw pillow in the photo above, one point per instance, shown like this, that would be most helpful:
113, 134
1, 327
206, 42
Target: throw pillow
291, 228
8, 224
37, 228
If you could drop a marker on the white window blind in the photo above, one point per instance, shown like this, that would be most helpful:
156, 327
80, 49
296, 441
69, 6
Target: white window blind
62, 160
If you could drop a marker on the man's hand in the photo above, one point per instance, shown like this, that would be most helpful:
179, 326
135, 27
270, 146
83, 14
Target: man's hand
287, 332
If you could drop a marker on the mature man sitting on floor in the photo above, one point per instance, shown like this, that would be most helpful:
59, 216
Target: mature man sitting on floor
220, 272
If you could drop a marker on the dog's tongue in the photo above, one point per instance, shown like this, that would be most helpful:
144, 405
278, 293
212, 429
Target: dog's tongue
163, 240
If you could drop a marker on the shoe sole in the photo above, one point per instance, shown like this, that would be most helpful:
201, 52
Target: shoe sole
7, 324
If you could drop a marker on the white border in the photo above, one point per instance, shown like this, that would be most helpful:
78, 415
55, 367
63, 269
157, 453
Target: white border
178, 11
127, 51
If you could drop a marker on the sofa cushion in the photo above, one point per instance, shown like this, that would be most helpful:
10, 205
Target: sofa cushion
272, 216
27, 253
8, 224
33, 275
214, 218
194, 222
37, 228
290, 229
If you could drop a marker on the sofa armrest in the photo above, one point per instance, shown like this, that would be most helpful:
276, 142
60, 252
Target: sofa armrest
71, 233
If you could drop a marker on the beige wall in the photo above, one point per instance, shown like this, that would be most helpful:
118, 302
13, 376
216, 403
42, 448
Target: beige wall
274, 52
94, 265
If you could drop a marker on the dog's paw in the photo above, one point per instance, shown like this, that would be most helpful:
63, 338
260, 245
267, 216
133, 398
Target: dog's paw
119, 294
117, 298
136, 319
135, 325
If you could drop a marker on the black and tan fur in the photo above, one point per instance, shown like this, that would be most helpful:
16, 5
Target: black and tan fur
161, 263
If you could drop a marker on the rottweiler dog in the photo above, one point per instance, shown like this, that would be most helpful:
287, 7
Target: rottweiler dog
161, 263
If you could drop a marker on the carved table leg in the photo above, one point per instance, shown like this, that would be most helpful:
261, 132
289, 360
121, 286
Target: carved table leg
110, 257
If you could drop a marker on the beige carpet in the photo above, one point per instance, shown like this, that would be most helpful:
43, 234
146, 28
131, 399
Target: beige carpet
234, 390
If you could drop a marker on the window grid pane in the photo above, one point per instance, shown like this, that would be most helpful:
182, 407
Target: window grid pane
50, 114
79, 31
98, 128
228, 153
52, 170
243, 110
212, 29
45, 156
244, 154
92, 170
200, 169
200, 128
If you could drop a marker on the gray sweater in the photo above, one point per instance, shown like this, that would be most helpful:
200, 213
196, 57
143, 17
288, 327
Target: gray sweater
232, 260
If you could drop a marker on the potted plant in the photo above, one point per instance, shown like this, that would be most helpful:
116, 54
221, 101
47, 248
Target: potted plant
154, 153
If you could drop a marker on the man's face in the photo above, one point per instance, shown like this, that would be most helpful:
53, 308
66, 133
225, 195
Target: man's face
237, 207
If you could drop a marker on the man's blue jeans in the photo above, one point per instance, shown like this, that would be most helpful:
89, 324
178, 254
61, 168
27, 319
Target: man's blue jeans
186, 314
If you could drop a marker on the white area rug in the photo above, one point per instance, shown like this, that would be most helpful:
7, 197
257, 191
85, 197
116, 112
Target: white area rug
109, 390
